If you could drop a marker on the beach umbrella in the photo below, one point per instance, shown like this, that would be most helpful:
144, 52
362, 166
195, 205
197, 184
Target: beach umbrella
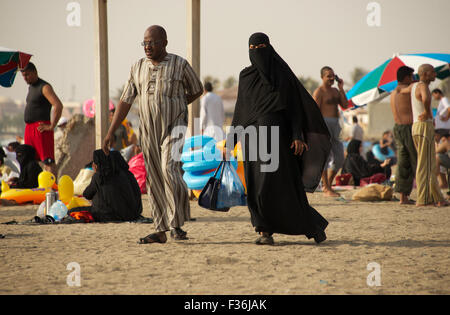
10, 62
379, 82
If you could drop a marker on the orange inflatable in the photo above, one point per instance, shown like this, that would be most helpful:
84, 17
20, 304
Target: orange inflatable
25, 195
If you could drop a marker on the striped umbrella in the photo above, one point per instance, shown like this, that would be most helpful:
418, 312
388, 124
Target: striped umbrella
10, 61
379, 82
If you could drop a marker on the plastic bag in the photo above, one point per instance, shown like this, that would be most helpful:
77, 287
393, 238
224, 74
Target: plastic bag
231, 191
137, 167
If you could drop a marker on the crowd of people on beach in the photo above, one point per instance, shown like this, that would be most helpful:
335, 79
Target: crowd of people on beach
308, 140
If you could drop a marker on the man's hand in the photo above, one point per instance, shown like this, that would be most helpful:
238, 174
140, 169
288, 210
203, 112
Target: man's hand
340, 83
44, 127
107, 143
423, 116
385, 163
299, 147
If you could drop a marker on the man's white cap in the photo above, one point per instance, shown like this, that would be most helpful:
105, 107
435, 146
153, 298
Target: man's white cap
62, 121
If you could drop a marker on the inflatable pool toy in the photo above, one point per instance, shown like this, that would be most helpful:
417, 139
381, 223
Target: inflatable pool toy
196, 193
200, 166
376, 150
197, 180
66, 194
89, 107
25, 195
65, 189
200, 157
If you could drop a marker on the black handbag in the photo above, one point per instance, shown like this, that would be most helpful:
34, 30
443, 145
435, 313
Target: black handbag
208, 196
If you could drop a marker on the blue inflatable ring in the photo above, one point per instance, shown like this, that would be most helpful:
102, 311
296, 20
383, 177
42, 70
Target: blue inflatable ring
196, 182
376, 150
206, 152
205, 165
194, 178
196, 141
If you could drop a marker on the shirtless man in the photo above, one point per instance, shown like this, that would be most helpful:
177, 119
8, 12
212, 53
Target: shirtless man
406, 151
328, 98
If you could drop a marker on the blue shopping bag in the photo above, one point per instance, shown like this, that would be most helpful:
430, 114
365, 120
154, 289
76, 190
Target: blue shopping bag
231, 191
223, 192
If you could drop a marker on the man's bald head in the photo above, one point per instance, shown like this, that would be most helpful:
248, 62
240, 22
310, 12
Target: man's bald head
155, 42
156, 31
426, 73
424, 68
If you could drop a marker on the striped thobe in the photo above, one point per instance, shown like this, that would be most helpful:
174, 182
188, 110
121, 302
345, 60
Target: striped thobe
161, 91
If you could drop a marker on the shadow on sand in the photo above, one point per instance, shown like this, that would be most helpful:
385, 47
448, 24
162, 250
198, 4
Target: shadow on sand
333, 243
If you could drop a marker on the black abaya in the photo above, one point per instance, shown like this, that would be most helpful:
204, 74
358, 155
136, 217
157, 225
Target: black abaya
114, 191
270, 95
29, 167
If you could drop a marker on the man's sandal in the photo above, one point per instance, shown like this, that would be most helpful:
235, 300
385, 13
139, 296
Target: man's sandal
151, 238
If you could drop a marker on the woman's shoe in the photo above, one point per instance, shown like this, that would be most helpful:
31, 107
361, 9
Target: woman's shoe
265, 240
320, 236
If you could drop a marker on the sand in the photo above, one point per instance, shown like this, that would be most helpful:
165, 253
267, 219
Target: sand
409, 244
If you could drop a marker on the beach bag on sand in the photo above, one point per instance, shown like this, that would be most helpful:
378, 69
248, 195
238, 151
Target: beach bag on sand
374, 192
82, 181
377, 178
343, 179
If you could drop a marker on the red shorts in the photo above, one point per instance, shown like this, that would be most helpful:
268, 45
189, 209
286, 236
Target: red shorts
42, 142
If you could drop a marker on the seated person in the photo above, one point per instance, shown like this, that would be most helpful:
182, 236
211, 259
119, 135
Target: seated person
443, 159
5, 170
29, 168
10, 158
114, 191
359, 168
386, 142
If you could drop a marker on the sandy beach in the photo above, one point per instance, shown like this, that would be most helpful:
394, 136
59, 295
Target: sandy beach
410, 244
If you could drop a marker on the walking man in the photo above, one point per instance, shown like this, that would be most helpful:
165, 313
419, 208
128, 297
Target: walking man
164, 85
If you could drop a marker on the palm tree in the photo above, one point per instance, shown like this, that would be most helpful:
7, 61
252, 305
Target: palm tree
309, 83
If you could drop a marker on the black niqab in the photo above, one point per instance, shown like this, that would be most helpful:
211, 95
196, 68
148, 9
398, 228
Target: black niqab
269, 86
29, 167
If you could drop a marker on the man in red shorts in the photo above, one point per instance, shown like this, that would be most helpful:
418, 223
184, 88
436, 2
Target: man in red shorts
39, 118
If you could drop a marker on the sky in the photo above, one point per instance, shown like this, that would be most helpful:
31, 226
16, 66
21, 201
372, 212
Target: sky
308, 34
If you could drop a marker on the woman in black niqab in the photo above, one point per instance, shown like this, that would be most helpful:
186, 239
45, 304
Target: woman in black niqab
29, 167
359, 168
271, 96
114, 191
